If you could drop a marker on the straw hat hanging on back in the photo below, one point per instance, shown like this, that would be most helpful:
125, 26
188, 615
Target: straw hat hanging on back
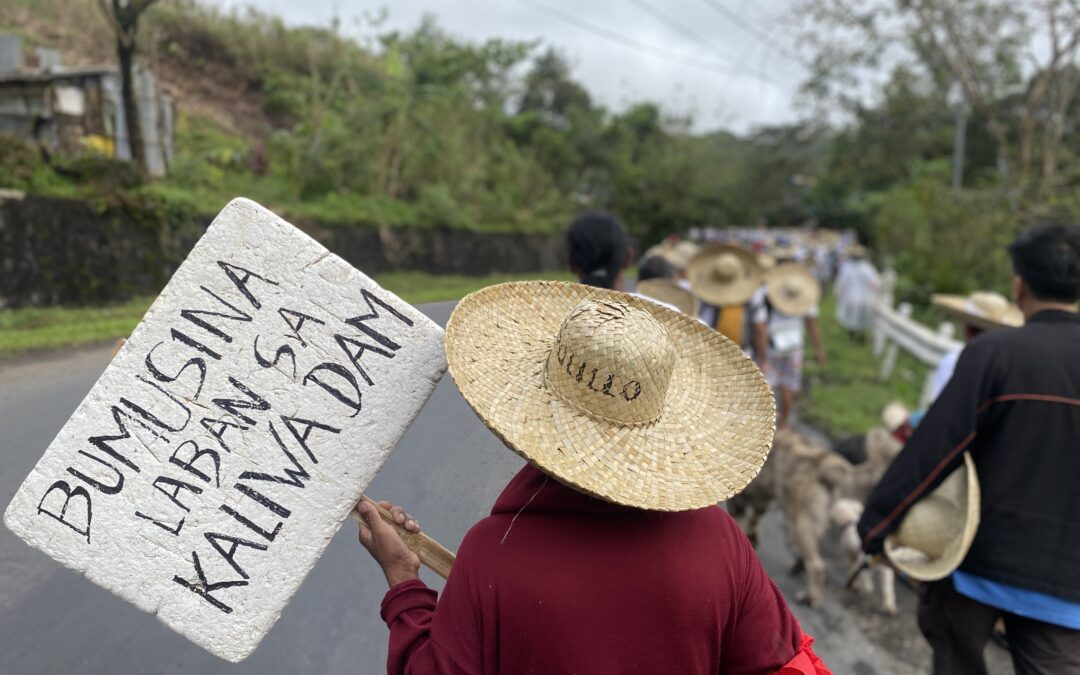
725, 275
984, 309
669, 291
612, 394
793, 290
937, 532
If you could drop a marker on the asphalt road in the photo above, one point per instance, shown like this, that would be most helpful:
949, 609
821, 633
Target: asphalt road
448, 470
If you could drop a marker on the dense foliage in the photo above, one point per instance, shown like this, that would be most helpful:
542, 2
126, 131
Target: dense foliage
426, 130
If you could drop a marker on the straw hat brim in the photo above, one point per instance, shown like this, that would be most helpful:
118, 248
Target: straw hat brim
724, 294
784, 304
916, 564
709, 442
666, 290
958, 306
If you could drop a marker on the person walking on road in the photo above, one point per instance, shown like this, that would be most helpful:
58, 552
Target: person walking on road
1012, 408
607, 553
782, 312
857, 287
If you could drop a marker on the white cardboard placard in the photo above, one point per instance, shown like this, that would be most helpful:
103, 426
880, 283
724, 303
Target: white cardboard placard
217, 455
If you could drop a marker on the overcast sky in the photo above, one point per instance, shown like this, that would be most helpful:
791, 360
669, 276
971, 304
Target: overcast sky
723, 60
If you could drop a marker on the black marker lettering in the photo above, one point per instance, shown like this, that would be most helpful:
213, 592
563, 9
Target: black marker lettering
230, 555
62, 517
241, 283
189, 464
235, 406
283, 350
203, 589
285, 313
162, 377
341, 372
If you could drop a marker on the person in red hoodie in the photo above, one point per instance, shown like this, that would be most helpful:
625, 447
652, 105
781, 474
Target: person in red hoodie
607, 553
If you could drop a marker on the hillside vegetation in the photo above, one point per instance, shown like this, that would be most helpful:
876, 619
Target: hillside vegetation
426, 130
423, 130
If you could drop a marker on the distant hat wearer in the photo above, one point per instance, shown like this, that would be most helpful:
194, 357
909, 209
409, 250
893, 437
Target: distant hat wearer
678, 254
766, 262
793, 290
725, 275
982, 309
894, 415
611, 394
937, 532
669, 291
783, 254
856, 251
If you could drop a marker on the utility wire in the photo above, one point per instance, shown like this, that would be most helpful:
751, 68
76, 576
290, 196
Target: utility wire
672, 23
753, 30
630, 42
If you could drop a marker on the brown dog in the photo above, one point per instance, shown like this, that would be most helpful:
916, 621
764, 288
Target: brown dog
809, 478
749, 506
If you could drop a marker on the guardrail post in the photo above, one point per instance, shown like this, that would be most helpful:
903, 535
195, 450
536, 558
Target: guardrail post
878, 337
892, 350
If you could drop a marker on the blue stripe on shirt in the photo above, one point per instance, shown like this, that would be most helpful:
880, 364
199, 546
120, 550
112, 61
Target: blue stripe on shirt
1029, 604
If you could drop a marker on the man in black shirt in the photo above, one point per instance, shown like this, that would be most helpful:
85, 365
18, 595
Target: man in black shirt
1014, 404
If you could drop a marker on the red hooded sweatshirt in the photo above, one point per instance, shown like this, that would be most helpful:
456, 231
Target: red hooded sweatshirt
555, 582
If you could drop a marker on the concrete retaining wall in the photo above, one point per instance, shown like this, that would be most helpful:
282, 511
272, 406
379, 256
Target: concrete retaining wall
65, 251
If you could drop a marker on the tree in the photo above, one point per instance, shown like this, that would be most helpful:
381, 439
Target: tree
123, 17
981, 47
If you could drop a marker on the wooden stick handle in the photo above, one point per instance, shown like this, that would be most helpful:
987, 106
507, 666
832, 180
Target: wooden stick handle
432, 554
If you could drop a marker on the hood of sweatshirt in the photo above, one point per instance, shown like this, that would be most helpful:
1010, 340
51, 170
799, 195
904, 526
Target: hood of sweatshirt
537, 492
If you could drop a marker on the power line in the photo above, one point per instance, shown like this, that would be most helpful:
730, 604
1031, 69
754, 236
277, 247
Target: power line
630, 42
672, 23
749, 27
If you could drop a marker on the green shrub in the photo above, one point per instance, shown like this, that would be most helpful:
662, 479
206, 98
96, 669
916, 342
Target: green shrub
943, 241
100, 174
20, 159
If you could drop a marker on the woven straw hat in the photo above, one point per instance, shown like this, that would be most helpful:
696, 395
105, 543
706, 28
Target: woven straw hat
938, 530
678, 254
667, 290
612, 394
793, 290
766, 262
725, 275
984, 309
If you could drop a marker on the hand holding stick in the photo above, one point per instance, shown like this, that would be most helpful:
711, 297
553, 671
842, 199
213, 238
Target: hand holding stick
431, 554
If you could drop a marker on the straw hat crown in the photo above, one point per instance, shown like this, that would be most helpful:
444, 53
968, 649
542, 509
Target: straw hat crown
793, 290
626, 384
726, 268
612, 394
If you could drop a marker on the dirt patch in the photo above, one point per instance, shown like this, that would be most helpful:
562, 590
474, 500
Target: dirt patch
200, 87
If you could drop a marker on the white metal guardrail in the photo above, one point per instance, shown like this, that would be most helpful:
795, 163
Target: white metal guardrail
894, 329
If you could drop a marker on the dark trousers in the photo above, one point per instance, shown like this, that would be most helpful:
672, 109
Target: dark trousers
958, 629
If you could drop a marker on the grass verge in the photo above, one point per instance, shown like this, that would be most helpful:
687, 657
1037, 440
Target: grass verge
846, 395
54, 327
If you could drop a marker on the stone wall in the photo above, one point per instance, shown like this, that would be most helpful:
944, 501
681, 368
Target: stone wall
66, 251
